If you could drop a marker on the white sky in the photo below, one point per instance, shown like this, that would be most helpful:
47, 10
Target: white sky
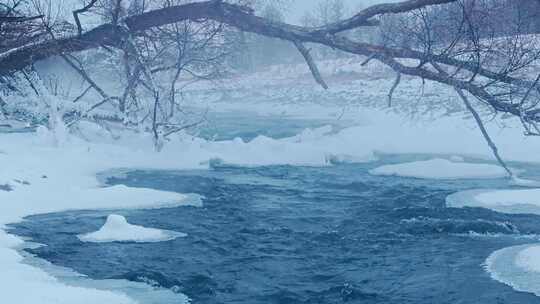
299, 7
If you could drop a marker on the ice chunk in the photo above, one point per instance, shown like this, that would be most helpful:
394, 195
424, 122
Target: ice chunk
510, 197
117, 229
313, 134
516, 266
529, 259
516, 181
438, 168
507, 201
336, 159
457, 158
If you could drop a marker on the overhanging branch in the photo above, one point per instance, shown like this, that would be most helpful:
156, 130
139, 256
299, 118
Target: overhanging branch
244, 19
311, 64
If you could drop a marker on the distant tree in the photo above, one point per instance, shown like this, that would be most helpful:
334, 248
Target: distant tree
308, 19
268, 51
329, 11
324, 13
254, 50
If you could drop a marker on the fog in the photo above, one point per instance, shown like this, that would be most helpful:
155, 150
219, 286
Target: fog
299, 7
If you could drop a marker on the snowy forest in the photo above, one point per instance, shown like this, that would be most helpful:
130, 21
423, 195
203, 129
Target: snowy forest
269, 151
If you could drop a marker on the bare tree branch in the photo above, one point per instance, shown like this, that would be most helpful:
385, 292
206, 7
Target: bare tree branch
116, 35
482, 128
19, 19
70, 60
81, 11
311, 64
362, 18
394, 86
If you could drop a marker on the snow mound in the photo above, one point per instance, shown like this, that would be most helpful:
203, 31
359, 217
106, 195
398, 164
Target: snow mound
507, 201
439, 168
117, 229
516, 266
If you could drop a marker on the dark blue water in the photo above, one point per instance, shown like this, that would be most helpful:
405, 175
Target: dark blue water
286, 234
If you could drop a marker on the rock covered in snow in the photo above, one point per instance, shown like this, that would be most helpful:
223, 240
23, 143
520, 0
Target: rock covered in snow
117, 229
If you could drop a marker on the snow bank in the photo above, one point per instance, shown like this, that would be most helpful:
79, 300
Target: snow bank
45, 177
117, 229
438, 168
517, 266
507, 201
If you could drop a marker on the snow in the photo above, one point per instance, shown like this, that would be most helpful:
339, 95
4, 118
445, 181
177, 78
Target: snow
516, 266
51, 175
529, 259
439, 168
117, 229
522, 182
56, 178
56, 171
510, 197
507, 201
457, 158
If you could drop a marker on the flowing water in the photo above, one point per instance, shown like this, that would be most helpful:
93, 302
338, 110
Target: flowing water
289, 234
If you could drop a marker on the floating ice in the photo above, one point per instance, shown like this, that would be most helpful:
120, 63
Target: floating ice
439, 168
529, 259
516, 181
507, 201
456, 158
336, 159
117, 229
516, 266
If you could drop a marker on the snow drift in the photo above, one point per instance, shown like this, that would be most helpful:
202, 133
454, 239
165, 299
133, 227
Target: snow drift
117, 229
438, 168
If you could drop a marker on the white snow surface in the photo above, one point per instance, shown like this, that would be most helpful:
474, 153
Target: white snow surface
522, 182
46, 178
52, 172
439, 168
457, 158
117, 229
510, 197
50, 175
507, 201
516, 266
529, 259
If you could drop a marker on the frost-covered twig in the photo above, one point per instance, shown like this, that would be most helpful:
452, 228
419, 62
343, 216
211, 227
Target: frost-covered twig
482, 128
69, 59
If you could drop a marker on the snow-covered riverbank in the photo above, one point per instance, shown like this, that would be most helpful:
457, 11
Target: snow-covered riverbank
52, 172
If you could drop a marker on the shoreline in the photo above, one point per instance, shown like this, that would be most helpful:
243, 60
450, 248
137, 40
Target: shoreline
58, 173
